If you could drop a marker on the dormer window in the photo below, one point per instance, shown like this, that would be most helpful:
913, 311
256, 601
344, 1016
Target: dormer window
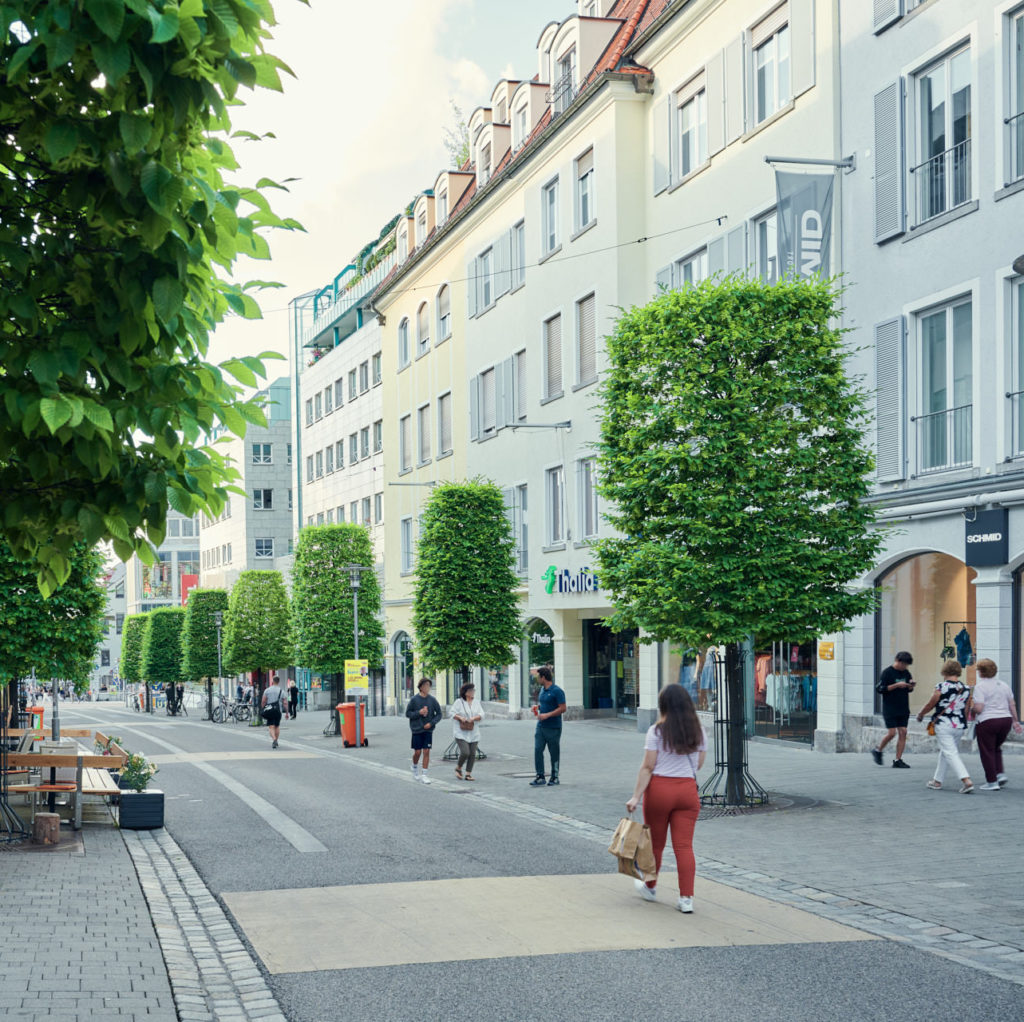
442, 207
485, 163
421, 227
522, 122
501, 113
589, 8
403, 246
564, 88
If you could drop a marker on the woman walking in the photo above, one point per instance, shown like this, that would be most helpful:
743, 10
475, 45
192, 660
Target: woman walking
667, 783
951, 702
995, 713
466, 714
293, 699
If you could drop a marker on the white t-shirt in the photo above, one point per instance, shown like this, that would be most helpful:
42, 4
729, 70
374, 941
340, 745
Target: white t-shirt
995, 696
672, 764
274, 696
466, 708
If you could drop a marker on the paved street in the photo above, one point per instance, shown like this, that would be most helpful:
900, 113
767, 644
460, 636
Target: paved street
364, 895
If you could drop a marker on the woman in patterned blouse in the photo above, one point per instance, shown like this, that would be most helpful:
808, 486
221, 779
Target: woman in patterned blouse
951, 702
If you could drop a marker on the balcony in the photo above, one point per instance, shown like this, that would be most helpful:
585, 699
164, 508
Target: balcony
944, 439
943, 182
1015, 146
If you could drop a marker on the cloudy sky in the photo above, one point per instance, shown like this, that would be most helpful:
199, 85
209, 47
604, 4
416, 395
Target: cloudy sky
362, 125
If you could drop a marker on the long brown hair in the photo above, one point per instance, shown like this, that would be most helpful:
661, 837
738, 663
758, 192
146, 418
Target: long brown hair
679, 727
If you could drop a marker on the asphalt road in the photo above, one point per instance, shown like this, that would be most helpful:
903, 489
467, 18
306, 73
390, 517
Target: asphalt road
378, 827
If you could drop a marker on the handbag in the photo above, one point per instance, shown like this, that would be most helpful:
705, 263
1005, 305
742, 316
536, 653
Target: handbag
930, 729
466, 725
631, 845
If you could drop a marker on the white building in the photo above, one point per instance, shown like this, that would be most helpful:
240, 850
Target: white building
108, 657
148, 587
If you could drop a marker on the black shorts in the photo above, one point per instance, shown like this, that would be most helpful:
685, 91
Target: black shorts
896, 719
423, 739
272, 715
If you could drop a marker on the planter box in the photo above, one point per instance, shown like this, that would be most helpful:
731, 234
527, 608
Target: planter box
142, 810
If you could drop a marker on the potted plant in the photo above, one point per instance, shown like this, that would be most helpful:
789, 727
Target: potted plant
140, 809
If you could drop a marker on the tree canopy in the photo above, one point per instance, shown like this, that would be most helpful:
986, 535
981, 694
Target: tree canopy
465, 608
258, 632
199, 633
733, 460
161, 647
322, 598
118, 232
132, 639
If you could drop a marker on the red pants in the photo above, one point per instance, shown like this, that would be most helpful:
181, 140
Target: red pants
990, 735
673, 802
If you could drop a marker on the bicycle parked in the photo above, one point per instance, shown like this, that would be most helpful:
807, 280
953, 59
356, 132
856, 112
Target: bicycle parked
232, 708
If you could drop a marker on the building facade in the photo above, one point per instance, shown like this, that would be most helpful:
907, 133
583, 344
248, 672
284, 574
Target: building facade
149, 586
107, 670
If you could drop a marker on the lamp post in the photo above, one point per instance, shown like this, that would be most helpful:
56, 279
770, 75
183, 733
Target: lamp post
218, 623
354, 578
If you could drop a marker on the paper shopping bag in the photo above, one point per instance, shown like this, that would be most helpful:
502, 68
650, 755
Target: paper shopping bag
631, 845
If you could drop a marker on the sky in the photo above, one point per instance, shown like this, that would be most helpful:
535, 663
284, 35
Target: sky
361, 127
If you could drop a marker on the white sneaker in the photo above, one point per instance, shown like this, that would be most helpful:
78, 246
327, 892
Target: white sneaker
416, 771
423, 777
645, 892
1001, 780
685, 904
993, 786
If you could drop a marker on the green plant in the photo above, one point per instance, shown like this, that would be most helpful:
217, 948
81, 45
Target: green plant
161, 647
199, 633
105, 747
258, 633
132, 640
138, 771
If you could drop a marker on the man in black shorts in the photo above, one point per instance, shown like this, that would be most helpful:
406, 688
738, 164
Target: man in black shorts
895, 685
424, 714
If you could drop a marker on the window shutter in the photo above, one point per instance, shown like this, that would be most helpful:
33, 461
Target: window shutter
890, 400
502, 266
553, 356
736, 250
801, 35
520, 394
587, 354
716, 255
444, 408
661, 143
508, 498
506, 410
715, 89
734, 90
674, 162
424, 427
488, 389
663, 279
886, 12
768, 26
471, 288
474, 408
889, 197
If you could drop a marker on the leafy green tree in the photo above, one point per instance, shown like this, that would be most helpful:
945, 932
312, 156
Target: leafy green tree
118, 232
465, 608
258, 633
59, 635
456, 137
322, 601
199, 638
161, 651
132, 639
733, 459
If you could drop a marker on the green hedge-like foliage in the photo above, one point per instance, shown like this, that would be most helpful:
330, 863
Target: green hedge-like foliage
199, 635
161, 648
258, 632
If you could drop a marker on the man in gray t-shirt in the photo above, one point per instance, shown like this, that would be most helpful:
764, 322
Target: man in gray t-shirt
272, 706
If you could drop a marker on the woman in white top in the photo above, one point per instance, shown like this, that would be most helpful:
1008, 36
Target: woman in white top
667, 782
466, 713
995, 713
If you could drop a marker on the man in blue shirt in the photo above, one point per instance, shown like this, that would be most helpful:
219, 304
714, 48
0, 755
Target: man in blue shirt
549, 709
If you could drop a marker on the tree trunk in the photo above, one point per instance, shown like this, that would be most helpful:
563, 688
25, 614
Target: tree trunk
209, 698
735, 710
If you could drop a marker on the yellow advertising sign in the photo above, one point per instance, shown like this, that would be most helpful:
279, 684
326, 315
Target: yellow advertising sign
357, 677
826, 651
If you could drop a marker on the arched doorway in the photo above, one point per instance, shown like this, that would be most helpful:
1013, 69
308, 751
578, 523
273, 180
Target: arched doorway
927, 606
404, 668
538, 650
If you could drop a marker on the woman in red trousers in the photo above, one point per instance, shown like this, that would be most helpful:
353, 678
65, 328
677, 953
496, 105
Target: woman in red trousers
667, 783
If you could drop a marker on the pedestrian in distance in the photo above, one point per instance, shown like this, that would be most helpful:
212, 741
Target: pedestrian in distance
674, 751
424, 713
466, 714
271, 706
895, 685
293, 699
951, 703
995, 712
548, 734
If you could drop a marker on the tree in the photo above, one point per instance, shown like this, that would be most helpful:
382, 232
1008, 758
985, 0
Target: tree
258, 633
161, 651
59, 635
132, 639
456, 137
199, 638
116, 223
732, 455
465, 608
322, 601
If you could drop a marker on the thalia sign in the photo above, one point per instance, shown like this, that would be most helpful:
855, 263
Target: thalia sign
564, 580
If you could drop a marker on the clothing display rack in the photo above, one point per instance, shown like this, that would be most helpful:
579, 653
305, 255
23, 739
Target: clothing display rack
954, 650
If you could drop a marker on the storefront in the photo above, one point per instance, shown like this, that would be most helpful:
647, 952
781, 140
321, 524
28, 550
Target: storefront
611, 669
785, 693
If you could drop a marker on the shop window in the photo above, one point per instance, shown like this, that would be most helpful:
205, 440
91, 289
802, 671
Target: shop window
493, 684
538, 650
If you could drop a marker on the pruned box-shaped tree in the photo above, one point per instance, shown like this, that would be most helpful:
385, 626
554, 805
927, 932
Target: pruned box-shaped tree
161, 650
258, 628
199, 638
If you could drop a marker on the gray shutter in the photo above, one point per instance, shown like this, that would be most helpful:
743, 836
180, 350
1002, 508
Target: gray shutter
801, 34
890, 400
886, 12
499, 395
586, 351
508, 497
505, 392
889, 195
734, 115
474, 407
520, 388
673, 140
661, 143
471, 288
553, 357
736, 250
663, 279
715, 88
716, 255
502, 266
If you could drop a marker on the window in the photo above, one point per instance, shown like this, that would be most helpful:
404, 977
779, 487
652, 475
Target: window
104, 658
309, 469
404, 443
485, 282
772, 89
318, 406
585, 190
119, 623
522, 125
488, 405
330, 516
364, 377
444, 424
485, 163
352, 385
339, 454
378, 436
403, 344
586, 350
340, 515
262, 454
319, 518
265, 547
1015, 113
692, 269
444, 313
1017, 396
555, 490
423, 428
378, 507
263, 500
692, 130
520, 384
442, 207
309, 412
364, 442
310, 520
564, 89
406, 542
588, 498
189, 527
553, 358
549, 217
329, 459
319, 464
944, 433
942, 177
590, 9
288, 449
375, 364
353, 448
173, 528
422, 330
289, 500
767, 247
501, 113
518, 255
367, 520
339, 393
521, 529
353, 512
421, 227
403, 245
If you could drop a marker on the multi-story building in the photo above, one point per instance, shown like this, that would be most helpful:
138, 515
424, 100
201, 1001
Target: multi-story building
149, 586
107, 668
254, 531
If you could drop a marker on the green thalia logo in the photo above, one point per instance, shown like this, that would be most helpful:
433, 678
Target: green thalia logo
565, 581
549, 578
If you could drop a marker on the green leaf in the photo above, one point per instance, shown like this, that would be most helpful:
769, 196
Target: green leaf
114, 59
165, 25
21, 56
168, 297
99, 416
55, 411
61, 140
136, 131
108, 15
240, 371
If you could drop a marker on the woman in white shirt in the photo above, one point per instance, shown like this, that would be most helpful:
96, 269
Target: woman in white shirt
995, 713
667, 782
466, 713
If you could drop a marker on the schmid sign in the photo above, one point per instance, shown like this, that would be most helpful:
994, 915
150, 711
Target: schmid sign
565, 580
987, 539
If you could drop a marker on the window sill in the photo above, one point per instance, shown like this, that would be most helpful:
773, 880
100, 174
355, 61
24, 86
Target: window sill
547, 255
420, 354
401, 369
941, 220
552, 548
443, 455
1011, 189
554, 397
584, 383
377, 383
405, 471
423, 464
583, 543
583, 230
768, 121
689, 177
447, 337
518, 287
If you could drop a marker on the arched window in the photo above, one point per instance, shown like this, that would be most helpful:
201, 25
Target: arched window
422, 329
444, 313
403, 343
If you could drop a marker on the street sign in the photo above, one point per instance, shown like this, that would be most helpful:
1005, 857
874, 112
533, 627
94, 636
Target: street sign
357, 678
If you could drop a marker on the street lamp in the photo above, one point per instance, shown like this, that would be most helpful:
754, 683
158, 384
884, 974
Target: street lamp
218, 623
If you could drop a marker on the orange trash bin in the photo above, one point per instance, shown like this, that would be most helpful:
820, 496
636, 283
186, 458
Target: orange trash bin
347, 715
37, 712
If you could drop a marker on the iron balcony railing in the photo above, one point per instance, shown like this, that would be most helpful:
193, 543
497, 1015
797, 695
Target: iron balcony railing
1015, 145
1016, 397
563, 92
944, 439
943, 182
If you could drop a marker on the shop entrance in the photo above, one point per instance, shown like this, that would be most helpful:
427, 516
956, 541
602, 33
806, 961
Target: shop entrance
611, 676
537, 650
786, 690
402, 658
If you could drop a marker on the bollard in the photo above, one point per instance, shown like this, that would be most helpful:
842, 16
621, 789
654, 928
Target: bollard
46, 829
